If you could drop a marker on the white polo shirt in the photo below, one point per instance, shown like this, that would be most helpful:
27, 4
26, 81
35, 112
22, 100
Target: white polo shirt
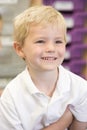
24, 107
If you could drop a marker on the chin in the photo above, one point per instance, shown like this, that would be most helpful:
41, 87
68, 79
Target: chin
49, 68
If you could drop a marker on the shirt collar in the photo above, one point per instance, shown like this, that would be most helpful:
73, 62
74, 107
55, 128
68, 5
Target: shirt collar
63, 83
28, 82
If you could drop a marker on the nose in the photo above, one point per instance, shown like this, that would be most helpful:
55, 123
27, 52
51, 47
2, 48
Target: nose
50, 47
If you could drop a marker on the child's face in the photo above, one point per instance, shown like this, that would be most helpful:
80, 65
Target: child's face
44, 47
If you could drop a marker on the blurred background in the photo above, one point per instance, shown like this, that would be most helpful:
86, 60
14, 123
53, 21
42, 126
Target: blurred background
76, 19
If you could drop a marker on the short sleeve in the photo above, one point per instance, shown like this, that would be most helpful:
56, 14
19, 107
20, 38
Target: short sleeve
79, 110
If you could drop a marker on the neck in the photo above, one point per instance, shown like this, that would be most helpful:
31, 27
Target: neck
45, 81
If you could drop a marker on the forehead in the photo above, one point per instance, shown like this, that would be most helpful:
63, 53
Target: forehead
46, 31
45, 25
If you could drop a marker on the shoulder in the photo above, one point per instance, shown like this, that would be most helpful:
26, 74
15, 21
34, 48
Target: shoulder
16, 84
77, 90
72, 78
18, 79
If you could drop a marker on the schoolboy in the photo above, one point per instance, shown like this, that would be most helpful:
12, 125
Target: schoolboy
38, 97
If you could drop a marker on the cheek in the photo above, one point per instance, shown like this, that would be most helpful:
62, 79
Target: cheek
61, 51
33, 52
36, 51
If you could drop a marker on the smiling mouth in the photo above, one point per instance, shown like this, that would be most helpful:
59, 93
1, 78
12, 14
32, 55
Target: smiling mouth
49, 58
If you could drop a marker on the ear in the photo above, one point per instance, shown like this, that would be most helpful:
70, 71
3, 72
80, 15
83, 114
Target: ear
19, 49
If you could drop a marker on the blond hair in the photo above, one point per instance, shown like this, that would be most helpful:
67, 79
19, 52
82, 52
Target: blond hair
36, 15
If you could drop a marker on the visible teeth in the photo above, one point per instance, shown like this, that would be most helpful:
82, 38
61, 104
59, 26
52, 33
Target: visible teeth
49, 58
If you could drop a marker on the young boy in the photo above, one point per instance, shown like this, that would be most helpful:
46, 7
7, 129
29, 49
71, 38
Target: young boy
37, 99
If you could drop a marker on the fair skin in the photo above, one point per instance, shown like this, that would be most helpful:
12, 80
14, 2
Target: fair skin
63, 123
77, 125
43, 51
